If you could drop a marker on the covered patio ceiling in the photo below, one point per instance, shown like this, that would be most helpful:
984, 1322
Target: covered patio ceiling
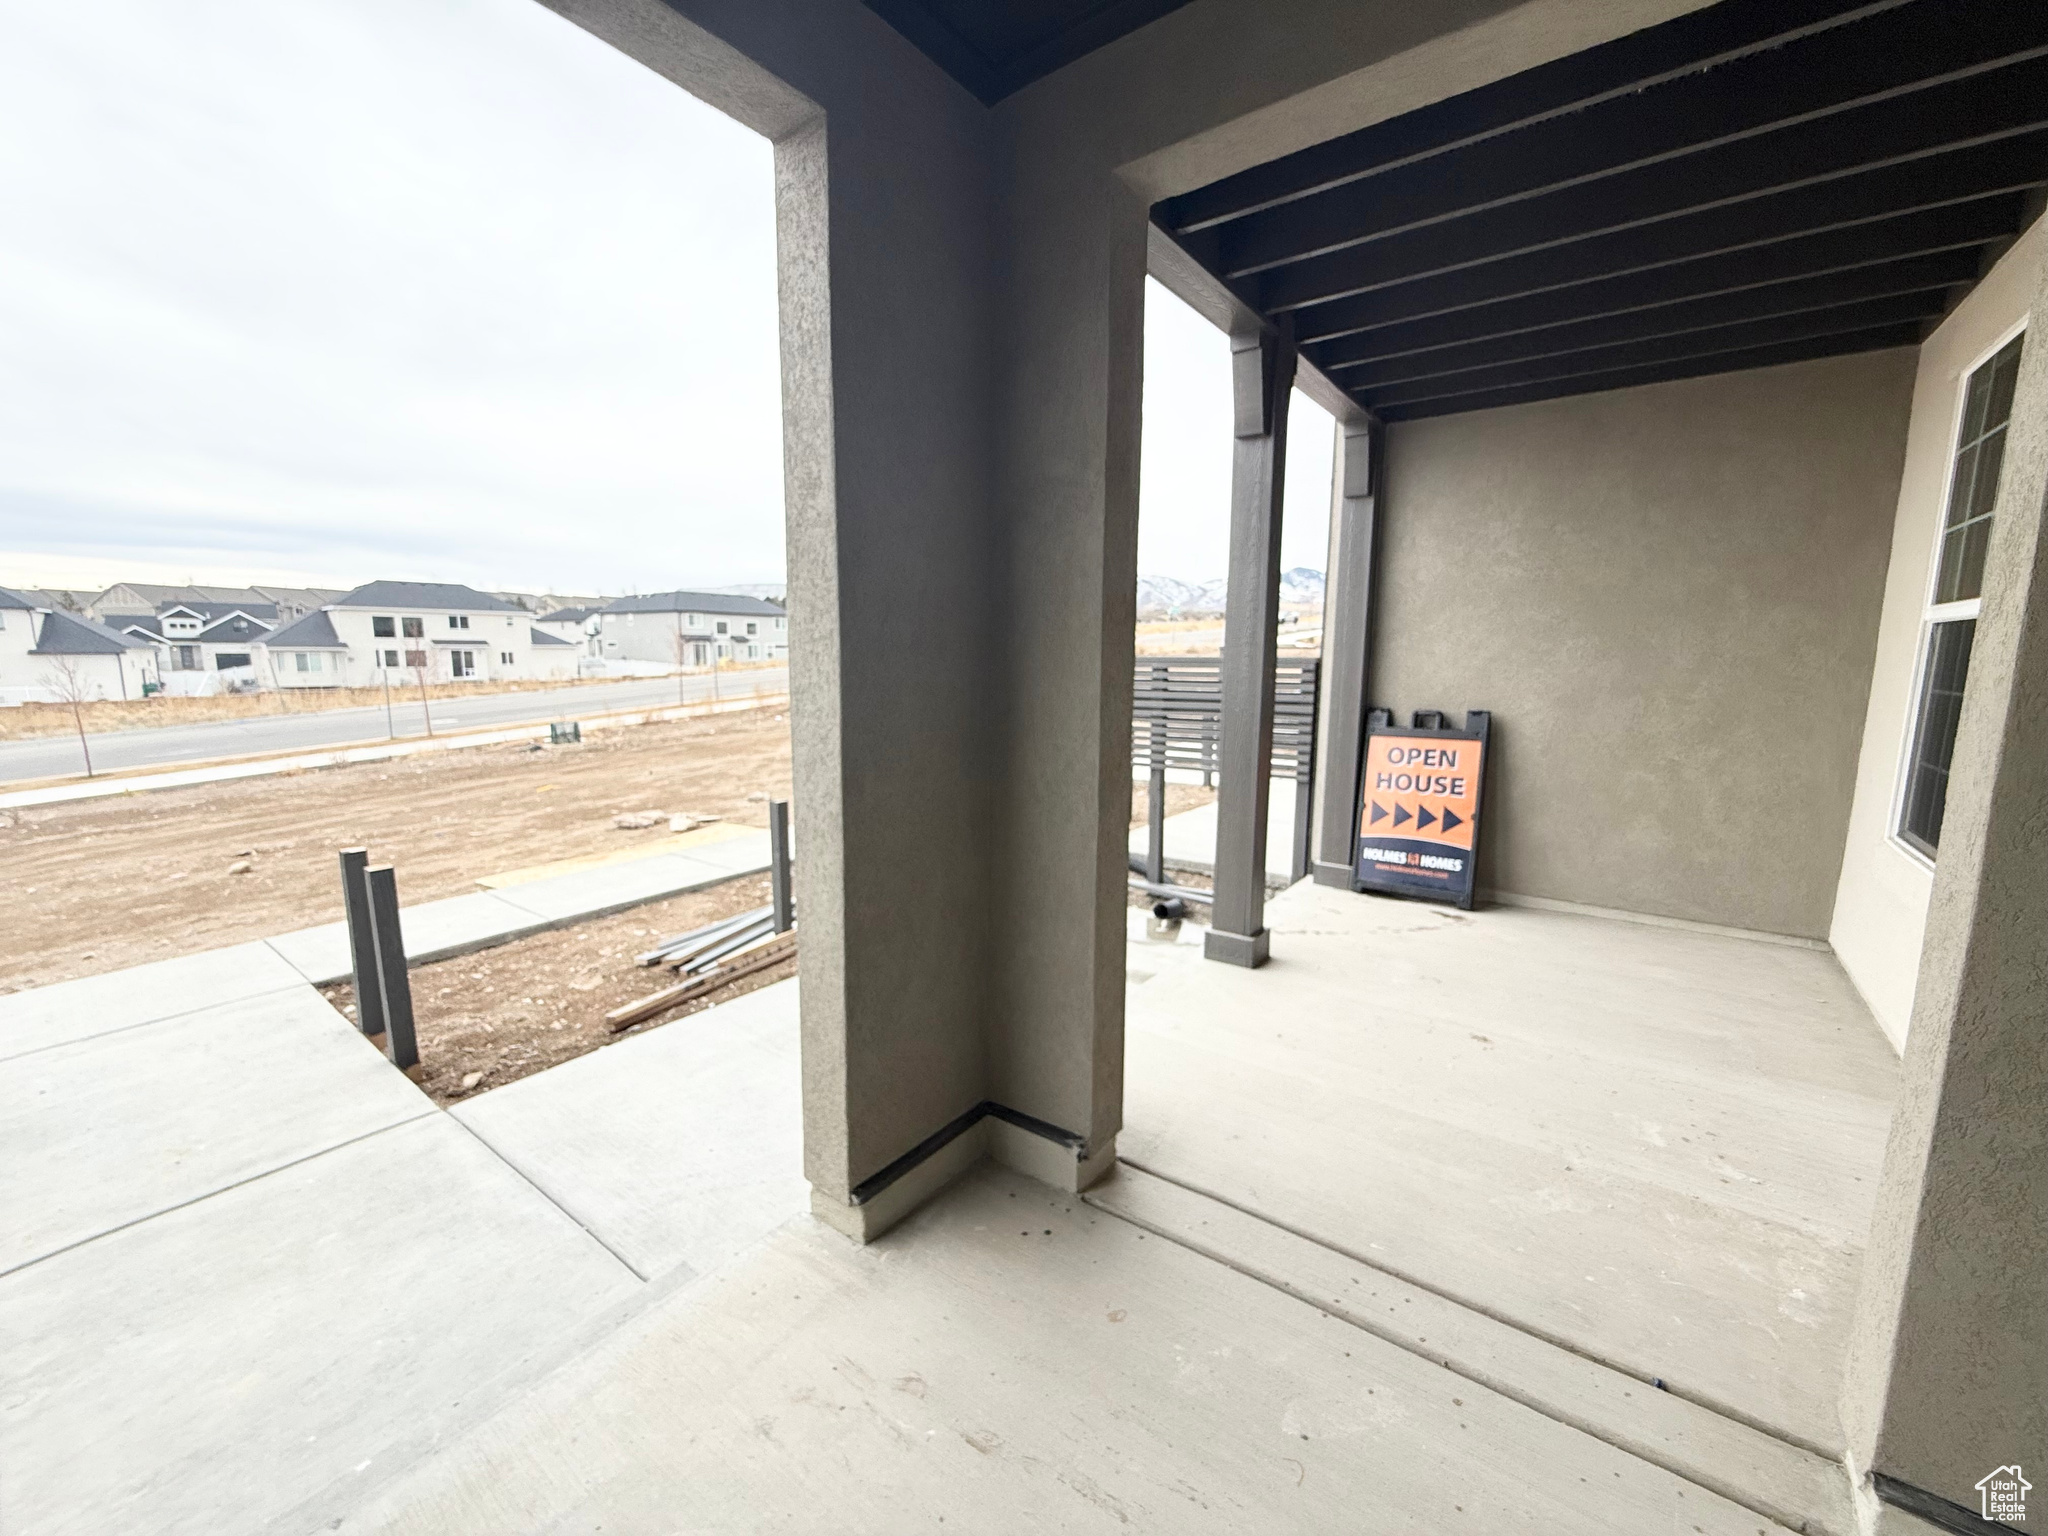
1756, 182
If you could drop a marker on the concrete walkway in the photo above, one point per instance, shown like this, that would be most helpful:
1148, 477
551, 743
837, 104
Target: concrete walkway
250, 1271
1191, 835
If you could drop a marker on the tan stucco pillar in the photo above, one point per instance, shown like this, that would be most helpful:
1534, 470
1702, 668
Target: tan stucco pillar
1948, 1370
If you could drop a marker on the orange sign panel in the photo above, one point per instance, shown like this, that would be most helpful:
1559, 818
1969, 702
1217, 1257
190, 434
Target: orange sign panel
1421, 788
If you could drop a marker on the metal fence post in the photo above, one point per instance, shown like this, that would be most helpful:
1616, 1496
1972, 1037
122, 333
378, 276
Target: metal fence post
1305, 774
362, 945
400, 1043
778, 865
1155, 788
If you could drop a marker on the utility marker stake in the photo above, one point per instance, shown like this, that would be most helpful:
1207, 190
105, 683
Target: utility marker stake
362, 943
400, 1043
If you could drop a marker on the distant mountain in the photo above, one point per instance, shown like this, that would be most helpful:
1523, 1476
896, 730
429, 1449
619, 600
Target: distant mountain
1171, 597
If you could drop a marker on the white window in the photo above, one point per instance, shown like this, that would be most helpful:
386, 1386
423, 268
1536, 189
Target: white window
722, 626
1949, 625
390, 658
505, 657
305, 662
462, 663
458, 621
753, 629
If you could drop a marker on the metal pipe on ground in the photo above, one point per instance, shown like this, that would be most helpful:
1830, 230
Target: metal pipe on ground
362, 944
1173, 892
777, 948
698, 938
729, 944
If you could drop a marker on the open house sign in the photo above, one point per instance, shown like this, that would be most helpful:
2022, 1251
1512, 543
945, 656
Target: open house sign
1418, 817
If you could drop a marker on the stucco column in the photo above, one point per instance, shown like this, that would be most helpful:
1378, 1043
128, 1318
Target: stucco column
1948, 1370
1262, 377
1347, 646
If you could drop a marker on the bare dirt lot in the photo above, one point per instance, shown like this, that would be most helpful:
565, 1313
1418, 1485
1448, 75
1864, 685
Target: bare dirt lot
96, 885
491, 1018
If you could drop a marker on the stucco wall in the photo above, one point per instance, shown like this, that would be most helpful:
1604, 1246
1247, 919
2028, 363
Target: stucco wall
1668, 597
1881, 903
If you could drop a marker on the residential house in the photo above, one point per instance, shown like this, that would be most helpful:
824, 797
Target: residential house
306, 653
692, 629
75, 658
18, 669
130, 599
440, 631
551, 656
203, 647
571, 626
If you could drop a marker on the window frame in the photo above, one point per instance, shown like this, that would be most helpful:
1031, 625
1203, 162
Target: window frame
1933, 613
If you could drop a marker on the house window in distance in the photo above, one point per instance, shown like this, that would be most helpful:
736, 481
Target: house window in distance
1950, 623
415, 629
383, 627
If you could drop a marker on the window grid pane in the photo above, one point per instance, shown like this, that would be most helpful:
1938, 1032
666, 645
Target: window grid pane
1934, 742
1973, 489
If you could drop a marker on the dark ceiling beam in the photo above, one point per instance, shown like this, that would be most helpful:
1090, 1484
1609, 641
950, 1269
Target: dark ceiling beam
1822, 171
1697, 40
1877, 72
1657, 373
1506, 296
1722, 341
1824, 302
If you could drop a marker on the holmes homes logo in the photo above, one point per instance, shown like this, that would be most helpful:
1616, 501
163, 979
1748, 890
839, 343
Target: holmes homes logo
2005, 1494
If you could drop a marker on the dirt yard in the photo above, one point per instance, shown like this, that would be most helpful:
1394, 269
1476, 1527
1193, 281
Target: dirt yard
96, 885
491, 1018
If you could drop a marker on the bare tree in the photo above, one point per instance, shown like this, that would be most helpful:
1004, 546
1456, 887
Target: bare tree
67, 680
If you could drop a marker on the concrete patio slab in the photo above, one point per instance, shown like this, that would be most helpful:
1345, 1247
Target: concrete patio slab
109, 1130
678, 1147
1656, 1147
288, 1339
1011, 1360
41, 1017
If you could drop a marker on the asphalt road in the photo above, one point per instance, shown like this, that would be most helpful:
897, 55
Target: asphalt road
45, 757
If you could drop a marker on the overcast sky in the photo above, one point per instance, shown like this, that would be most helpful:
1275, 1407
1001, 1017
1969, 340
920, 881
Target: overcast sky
329, 290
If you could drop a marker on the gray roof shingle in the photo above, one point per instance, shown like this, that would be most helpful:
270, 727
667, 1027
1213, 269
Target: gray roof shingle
63, 634
694, 602
542, 637
424, 594
315, 632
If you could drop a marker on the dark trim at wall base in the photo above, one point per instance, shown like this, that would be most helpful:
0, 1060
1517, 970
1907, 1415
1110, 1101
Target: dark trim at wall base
951, 1131
1934, 1509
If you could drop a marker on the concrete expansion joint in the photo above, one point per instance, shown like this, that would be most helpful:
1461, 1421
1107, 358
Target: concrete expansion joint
122, 1029
1696, 1468
178, 1205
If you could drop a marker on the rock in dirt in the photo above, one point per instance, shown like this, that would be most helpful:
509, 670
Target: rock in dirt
470, 1080
241, 867
633, 821
688, 821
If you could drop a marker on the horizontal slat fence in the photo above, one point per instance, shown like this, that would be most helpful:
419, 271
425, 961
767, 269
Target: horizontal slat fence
1177, 722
